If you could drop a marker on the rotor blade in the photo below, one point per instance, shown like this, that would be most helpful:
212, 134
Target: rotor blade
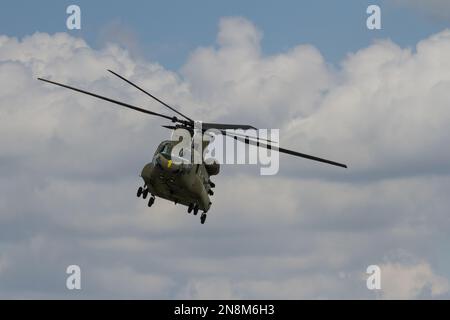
223, 126
150, 95
249, 137
234, 134
290, 152
123, 104
170, 127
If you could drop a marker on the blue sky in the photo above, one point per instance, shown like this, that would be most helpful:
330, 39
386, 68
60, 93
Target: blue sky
167, 31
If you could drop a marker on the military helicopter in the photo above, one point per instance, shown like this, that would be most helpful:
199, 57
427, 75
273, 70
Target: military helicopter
186, 184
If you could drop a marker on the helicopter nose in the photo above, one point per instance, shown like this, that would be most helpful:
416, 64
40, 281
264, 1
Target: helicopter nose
147, 171
166, 164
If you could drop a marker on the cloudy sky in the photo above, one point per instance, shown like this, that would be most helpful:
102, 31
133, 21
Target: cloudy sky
376, 100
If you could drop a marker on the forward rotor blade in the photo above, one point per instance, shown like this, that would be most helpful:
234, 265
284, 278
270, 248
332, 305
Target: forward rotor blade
170, 127
286, 151
123, 104
219, 126
151, 96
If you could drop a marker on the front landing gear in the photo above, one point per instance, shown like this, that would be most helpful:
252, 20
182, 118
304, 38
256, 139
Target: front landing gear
144, 193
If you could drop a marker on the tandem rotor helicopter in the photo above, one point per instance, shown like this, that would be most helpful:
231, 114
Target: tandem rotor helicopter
189, 185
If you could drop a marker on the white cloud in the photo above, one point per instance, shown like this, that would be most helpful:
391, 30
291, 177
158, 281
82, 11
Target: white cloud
70, 165
409, 281
389, 112
206, 288
236, 80
382, 97
123, 280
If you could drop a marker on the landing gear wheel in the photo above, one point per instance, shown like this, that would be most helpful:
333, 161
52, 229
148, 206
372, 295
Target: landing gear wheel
145, 194
190, 208
203, 218
139, 192
151, 201
195, 210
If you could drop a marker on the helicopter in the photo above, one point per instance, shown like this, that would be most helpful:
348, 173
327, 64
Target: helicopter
188, 184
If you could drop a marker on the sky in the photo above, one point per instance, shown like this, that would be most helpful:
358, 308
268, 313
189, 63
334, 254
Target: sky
374, 99
168, 31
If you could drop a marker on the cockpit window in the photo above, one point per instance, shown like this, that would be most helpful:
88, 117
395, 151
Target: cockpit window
165, 149
181, 153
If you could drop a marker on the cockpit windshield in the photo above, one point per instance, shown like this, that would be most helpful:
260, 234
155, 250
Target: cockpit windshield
166, 150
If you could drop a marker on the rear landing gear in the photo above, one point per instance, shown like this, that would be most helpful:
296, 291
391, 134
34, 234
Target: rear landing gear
194, 208
145, 194
151, 201
203, 218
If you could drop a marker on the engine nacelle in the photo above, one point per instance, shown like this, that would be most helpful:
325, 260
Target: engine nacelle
213, 169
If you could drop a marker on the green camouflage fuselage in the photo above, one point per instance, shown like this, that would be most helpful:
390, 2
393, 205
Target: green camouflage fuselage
180, 183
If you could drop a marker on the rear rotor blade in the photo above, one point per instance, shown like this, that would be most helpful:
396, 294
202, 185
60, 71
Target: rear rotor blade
286, 151
123, 104
248, 137
223, 126
151, 96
